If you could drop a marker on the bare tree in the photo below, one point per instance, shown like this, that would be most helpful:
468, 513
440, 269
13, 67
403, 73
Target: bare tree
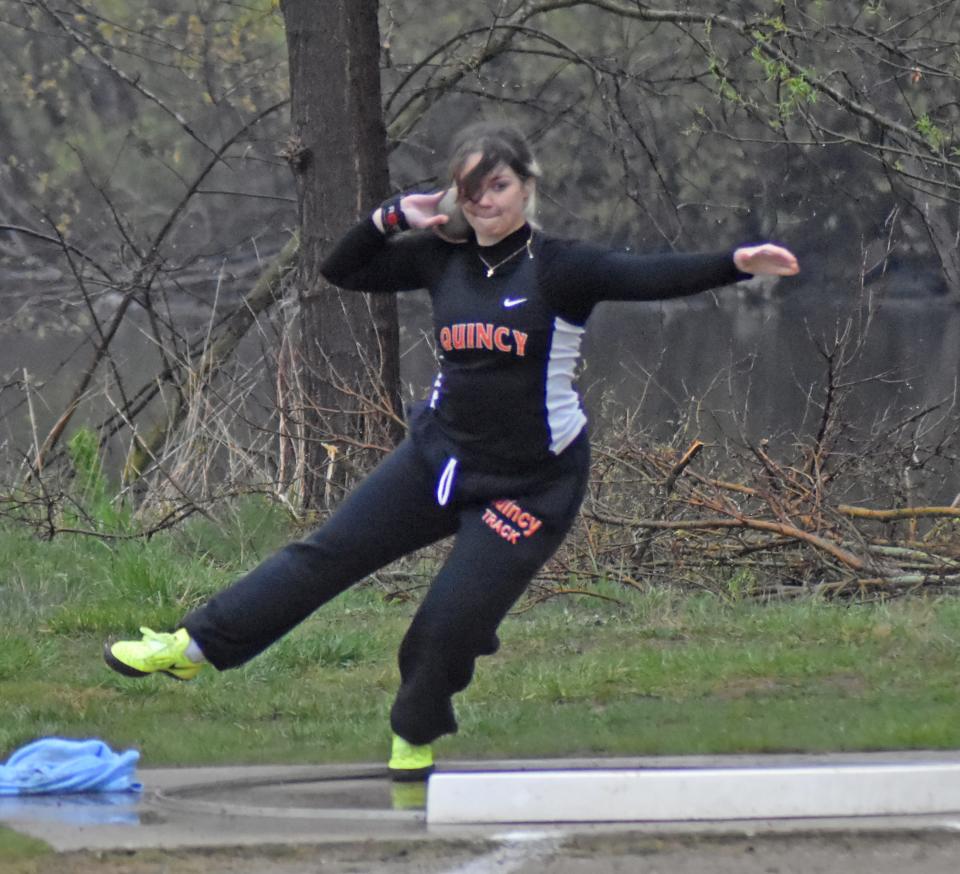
337, 150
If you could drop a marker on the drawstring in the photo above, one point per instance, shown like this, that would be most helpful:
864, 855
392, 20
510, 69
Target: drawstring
445, 483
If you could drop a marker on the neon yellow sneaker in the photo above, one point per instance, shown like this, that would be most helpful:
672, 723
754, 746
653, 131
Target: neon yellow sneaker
409, 763
155, 652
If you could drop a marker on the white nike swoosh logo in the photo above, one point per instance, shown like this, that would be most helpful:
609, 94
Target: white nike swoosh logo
513, 301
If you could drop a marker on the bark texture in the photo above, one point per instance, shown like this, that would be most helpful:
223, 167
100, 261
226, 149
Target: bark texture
337, 151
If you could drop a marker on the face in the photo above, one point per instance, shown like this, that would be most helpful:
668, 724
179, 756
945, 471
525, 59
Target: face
497, 210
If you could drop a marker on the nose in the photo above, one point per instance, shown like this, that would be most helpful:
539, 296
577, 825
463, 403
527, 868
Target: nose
483, 198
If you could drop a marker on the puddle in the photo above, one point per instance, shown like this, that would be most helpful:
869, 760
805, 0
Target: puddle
101, 808
343, 794
352, 797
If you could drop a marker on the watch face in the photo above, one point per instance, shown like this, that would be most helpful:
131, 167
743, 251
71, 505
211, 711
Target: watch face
457, 229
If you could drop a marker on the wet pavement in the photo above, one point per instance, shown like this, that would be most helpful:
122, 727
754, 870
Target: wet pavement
301, 805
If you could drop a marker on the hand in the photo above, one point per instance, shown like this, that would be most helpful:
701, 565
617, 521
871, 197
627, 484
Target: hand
420, 210
766, 259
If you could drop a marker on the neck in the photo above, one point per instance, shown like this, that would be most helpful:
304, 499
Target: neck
486, 241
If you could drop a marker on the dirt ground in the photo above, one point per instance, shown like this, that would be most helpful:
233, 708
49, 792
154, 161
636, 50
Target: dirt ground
919, 853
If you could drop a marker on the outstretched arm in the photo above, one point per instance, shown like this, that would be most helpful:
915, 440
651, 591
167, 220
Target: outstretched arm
583, 274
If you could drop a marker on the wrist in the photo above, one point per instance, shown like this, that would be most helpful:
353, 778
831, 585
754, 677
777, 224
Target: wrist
391, 217
735, 257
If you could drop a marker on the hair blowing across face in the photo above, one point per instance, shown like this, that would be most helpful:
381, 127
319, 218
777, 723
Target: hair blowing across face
497, 144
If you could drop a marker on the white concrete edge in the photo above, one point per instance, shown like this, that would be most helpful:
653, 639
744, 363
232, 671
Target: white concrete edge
692, 794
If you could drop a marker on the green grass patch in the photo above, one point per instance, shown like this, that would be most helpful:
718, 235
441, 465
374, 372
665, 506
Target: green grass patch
16, 848
654, 673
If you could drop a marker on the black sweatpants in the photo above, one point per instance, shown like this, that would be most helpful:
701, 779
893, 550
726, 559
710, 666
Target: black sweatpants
506, 527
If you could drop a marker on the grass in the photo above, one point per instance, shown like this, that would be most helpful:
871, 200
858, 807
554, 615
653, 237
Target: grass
18, 850
658, 673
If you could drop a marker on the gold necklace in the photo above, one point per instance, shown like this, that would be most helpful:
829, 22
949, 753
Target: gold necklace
491, 268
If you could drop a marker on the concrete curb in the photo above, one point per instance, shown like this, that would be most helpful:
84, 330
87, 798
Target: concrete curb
287, 805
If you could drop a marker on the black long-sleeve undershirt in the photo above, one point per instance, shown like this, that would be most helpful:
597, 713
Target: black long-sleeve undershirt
574, 276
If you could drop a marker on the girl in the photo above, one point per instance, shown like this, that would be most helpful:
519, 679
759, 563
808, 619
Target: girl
497, 457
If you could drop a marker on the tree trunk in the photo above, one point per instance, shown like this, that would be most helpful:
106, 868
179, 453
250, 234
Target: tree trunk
337, 150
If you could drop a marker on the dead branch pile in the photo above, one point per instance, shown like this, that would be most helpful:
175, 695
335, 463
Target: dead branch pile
737, 520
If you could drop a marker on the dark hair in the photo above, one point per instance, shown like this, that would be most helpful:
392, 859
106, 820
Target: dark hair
497, 144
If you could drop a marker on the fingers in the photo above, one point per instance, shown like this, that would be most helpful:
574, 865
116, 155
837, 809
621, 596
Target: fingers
785, 261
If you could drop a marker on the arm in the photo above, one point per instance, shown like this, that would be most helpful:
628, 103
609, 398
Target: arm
584, 274
367, 258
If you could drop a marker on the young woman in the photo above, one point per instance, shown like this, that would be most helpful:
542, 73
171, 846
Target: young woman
497, 457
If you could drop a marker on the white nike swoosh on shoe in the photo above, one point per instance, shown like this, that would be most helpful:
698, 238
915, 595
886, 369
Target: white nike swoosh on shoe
513, 301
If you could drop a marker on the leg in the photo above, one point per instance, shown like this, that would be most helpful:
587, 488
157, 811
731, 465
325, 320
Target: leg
391, 513
498, 549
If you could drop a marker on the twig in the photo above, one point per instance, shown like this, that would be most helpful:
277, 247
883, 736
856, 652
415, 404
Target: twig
897, 513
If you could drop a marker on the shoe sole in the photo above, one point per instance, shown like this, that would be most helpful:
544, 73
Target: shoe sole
123, 668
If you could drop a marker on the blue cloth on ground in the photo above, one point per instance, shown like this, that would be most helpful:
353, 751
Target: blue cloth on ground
55, 766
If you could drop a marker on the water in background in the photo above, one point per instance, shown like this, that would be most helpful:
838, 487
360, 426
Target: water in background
765, 366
